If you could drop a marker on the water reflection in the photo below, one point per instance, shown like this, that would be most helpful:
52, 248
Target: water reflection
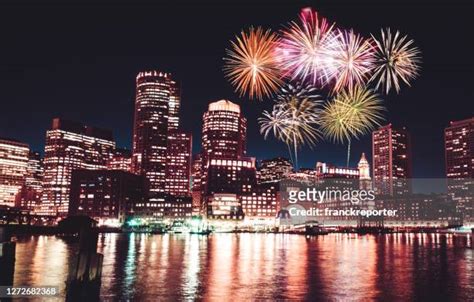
263, 266
42, 260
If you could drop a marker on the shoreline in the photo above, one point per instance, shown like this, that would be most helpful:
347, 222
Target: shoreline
54, 230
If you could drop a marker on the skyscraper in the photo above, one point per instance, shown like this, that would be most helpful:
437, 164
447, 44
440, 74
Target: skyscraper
223, 132
224, 168
161, 152
70, 146
459, 154
459, 149
391, 152
155, 92
178, 164
13, 170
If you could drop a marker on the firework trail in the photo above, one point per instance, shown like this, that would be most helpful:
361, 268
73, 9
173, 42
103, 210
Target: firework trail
250, 64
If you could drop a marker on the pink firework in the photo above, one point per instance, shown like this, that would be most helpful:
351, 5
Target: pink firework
352, 58
302, 51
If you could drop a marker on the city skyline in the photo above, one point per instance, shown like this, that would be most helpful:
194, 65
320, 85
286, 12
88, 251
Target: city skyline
363, 145
197, 150
228, 175
104, 91
173, 128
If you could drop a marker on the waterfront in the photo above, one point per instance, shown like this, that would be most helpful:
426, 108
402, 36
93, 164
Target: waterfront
262, 266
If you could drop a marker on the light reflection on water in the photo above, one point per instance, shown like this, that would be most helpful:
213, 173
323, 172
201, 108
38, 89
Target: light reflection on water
262, 266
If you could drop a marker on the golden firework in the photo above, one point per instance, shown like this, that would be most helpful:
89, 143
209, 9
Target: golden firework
352, 113
250, 64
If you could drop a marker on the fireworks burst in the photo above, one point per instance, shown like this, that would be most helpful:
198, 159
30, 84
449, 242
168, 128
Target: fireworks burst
302, 50
396, 59
250, 65
353, 112
274, 122
316, 54
352, 57
293, 118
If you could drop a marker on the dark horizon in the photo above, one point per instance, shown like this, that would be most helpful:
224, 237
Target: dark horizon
79, 62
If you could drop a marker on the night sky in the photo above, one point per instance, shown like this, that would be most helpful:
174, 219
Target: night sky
79, 61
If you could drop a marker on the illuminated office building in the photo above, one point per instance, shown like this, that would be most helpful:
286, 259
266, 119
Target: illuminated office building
70, 146
33, 188
459, 156
173, 207
174, 105
391, 153
459, 149
13, 170
273, 170
228, 176
121, 159
261, 201
178, 164
35, 171
324, 170
224, 168
418, 210
391, 163
224, 177
196, 189
304, 175
329, 176
108, 196
235, 176
161, 152
223, 132
225, 206
155, 92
